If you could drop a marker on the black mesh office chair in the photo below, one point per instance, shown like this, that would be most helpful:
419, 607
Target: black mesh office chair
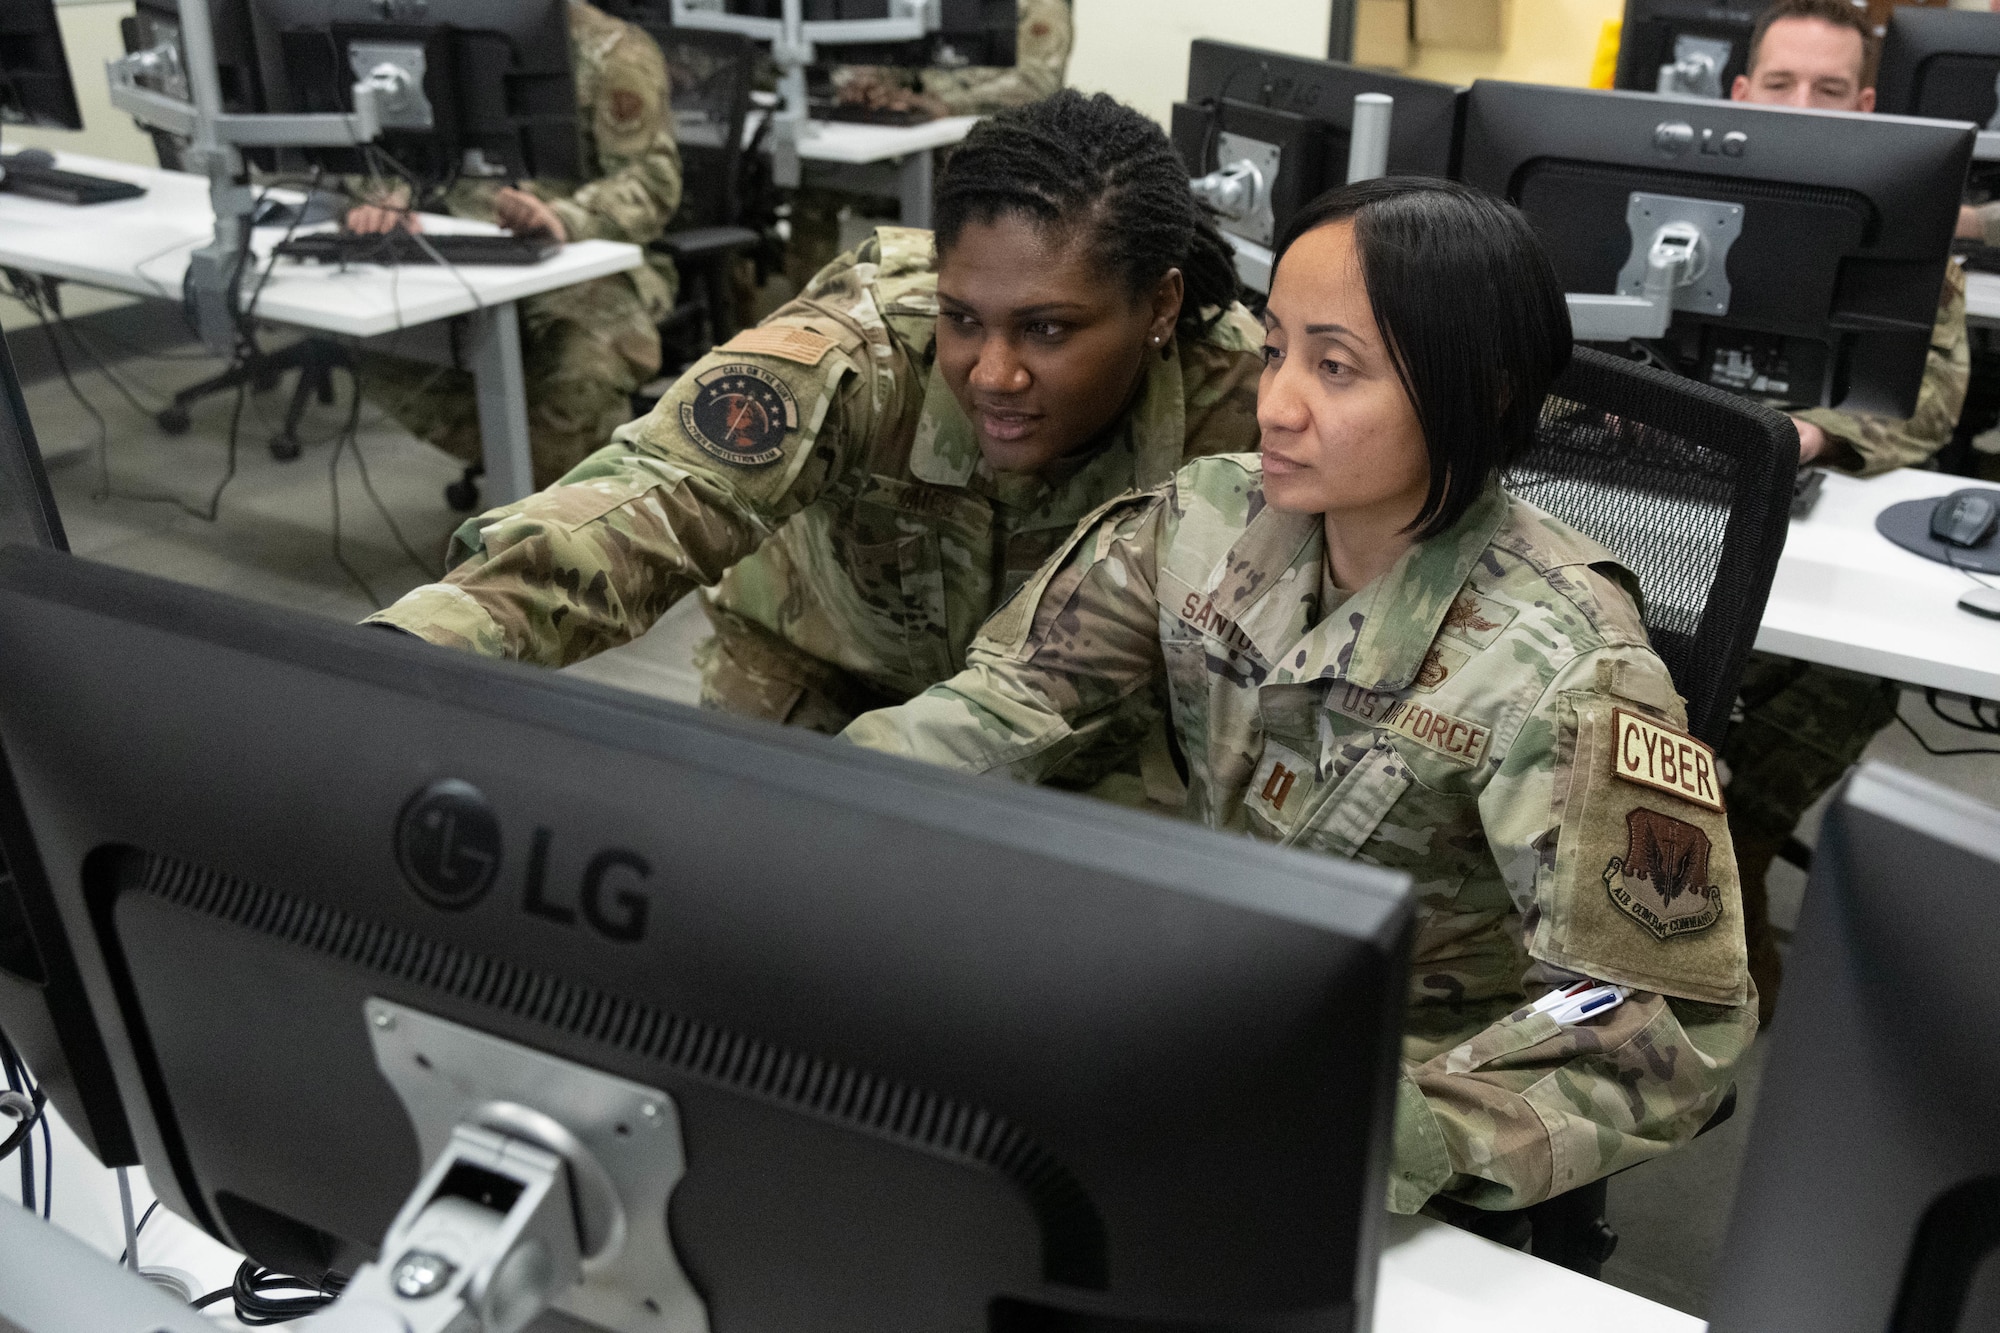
1692, 487
712, 74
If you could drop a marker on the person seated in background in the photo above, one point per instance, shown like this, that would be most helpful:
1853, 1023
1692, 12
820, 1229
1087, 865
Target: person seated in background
866, 475
1802, 725
1370, 649
1041, 59
585, 348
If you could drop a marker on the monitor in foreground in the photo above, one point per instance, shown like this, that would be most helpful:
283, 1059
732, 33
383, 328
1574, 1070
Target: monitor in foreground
43, 1012
1870, 1200
1793, 256
681, 1021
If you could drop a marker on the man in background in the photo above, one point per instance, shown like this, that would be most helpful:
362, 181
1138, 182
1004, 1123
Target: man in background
1803, 725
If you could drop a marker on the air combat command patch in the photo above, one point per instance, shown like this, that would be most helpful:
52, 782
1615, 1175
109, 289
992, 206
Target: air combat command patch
1662, 880
741, 414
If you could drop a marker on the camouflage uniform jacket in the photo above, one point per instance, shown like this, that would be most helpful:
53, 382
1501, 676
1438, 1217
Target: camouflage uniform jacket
820, 472
1041, 59
631, 163
1470, 718
1866, 444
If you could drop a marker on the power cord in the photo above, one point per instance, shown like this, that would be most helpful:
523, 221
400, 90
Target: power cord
21, 1087
256, 1303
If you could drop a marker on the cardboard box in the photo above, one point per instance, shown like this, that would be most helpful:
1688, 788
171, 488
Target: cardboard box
1474, 25
1382, 33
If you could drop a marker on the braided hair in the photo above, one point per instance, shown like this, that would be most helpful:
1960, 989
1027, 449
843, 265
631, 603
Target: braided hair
1095, 165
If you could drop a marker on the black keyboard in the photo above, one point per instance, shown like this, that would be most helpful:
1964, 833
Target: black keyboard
400, 247
870, 115
1978, 257
63, 187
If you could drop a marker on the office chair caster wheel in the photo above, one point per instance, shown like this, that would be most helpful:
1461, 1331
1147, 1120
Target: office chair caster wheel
285, 449
462, 495
174, 420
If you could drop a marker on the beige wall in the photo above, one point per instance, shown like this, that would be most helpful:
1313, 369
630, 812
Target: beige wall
1137, 50
90, 37
1548, 41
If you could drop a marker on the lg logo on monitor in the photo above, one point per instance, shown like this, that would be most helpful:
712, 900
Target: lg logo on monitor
448, 847
1674, 137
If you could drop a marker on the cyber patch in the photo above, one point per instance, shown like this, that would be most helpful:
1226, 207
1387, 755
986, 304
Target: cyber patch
1645, 753
741, 414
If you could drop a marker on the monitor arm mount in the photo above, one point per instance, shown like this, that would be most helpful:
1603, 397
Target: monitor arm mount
1679, 261
548, 1188
794, 47
163, 90
1239, 190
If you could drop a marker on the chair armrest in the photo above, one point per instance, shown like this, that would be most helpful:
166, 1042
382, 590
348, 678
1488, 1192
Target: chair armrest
706, 242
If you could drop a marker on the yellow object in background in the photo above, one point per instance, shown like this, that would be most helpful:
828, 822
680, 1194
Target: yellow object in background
1604, 66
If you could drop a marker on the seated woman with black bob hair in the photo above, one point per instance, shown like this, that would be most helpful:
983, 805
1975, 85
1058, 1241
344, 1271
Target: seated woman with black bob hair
1372, 649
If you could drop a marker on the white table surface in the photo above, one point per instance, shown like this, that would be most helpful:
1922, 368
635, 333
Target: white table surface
852, 143
1846, 596
141, 246
1982, 297
1434, 1278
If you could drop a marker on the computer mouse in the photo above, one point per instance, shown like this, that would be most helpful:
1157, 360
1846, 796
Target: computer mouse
1982, 601
1965, 519
34, 157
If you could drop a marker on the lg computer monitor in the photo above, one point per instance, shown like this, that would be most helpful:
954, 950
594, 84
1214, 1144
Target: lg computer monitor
1870, 1196
35, 87
1291, 117
937, 1052
1943, 63
498, 87
1689, 48
1825, 235
43, 1011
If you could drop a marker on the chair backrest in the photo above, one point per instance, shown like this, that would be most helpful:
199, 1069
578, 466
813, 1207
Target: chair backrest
711, 75
1692, 487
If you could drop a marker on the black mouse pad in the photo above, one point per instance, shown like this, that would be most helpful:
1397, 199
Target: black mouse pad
1909, 526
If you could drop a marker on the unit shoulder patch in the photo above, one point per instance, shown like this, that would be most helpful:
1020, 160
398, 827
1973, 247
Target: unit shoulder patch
787, 342
1651, 755
1662, 879
741, 414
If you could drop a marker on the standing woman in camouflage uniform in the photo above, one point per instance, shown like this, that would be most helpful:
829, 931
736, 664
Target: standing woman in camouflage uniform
1372, 650
585, 348
866, 475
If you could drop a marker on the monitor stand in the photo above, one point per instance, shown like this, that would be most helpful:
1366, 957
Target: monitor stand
547, 1187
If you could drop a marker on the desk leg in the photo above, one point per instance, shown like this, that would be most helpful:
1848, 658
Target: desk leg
916, 177
495, 348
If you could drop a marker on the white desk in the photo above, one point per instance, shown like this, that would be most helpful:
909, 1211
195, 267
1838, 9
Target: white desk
141, 246
1982, 297
899, 160
1846, 596
1434, 1278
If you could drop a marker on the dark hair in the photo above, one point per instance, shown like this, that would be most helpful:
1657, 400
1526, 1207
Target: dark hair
1840, 13
1071, 161
1471, 312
